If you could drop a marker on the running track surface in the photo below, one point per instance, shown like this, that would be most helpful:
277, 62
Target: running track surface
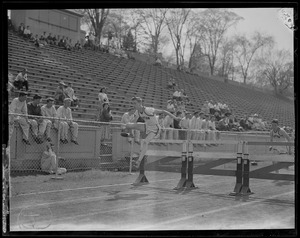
156, 206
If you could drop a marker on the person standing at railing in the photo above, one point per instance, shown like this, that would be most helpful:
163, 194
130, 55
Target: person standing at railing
151, 125
105, 116
19, 106
102, 97
278, 134
64, 112
38, 125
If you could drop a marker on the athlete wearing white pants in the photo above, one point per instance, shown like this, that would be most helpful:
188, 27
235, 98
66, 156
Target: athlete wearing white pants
151, 125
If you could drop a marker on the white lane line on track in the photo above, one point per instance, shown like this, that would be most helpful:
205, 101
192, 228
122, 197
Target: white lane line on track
213, 211
168, 203
78, 200
74, 189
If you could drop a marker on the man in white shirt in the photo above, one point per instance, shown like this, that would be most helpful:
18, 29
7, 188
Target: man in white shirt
64, 112
151, 125
185, 123
177, 95
102, 97
128, 117
19, 106
48, 110
71, 94
21, 80
27, 33
194, 125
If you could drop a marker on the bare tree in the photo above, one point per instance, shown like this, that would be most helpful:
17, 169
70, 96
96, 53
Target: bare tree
277, 70
95, 19
116, 23
226, 58
176, 22
153, 23
134, 21
211, 28
245, 50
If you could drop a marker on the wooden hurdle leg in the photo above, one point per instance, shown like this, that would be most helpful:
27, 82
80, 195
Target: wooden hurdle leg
141, 179
239, 171
189, 183
182, 181
245, 187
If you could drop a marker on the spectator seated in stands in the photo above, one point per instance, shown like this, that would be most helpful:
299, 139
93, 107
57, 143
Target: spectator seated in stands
19, 106
171, 106
181, 106
49, 161
10, 26
211, 108
21, 29
27, 33
64, 112
71, 94
62, 42
69, 45
158, 62
205, 108
244, 123
60, 93
177, 95
170, 84
38, 125
78, 46
217, 115
43, 39
258, 124
36, 41
49, 39
233, 123
21, 80
223, 124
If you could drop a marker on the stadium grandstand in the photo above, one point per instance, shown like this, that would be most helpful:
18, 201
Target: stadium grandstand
99, 145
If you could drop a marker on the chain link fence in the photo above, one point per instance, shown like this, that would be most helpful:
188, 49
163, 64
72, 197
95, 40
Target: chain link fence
76, 145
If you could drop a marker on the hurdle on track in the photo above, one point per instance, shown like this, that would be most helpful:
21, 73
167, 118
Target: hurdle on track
241, 155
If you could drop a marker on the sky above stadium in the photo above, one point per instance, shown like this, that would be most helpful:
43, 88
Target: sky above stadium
266, 20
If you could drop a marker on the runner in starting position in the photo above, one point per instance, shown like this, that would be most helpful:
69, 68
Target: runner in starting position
151, 125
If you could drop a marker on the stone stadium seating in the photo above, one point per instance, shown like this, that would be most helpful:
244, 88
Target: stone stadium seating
89, 70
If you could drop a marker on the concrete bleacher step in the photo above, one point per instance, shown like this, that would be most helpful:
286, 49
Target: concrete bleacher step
127, 78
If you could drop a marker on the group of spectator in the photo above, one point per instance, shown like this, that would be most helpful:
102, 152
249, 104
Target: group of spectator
44, 39
93, 43
64, 91
31, 116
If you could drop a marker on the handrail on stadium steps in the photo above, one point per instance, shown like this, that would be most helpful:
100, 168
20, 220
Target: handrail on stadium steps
119, 124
